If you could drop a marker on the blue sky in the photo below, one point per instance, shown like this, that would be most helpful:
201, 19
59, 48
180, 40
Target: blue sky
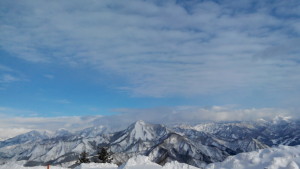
79, 58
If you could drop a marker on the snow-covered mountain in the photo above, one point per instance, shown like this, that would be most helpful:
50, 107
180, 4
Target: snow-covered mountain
280, 157
30, 137
195, 145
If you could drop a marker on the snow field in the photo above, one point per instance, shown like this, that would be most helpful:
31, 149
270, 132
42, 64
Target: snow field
143, 162
97, 166
18, 166
138, 162
282, 157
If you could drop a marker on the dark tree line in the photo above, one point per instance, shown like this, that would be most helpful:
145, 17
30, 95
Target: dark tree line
83, 157
103, 156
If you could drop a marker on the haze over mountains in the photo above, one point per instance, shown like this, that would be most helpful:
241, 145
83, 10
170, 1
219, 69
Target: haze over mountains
191, 115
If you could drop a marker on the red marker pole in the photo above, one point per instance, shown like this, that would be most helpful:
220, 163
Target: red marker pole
48, 166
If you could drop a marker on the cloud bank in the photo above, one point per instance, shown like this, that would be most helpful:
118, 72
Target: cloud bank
12, 126
195, 114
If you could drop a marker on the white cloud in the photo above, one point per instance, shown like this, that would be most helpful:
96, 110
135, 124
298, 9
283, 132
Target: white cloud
11, 126
28, 119
6, 133
160, 48
194, 114
7, 78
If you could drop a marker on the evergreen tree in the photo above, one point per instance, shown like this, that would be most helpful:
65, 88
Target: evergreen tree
83, 157
103, 155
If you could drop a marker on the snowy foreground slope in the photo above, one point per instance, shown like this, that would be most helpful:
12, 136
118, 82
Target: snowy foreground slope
139, 162
282, 157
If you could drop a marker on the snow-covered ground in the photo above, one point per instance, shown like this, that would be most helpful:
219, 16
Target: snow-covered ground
282, 157
97, 166
18, 166
139, 162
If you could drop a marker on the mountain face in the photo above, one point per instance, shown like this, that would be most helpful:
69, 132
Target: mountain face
194, 145
29, 137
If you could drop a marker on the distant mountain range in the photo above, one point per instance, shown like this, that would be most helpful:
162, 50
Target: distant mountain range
195, 145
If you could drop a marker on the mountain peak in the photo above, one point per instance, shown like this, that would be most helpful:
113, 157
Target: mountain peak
33, 134
62, 132
280, 119
140, 123
140, 130
137, 125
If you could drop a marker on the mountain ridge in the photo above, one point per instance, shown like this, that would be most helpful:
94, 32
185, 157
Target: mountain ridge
195, 145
